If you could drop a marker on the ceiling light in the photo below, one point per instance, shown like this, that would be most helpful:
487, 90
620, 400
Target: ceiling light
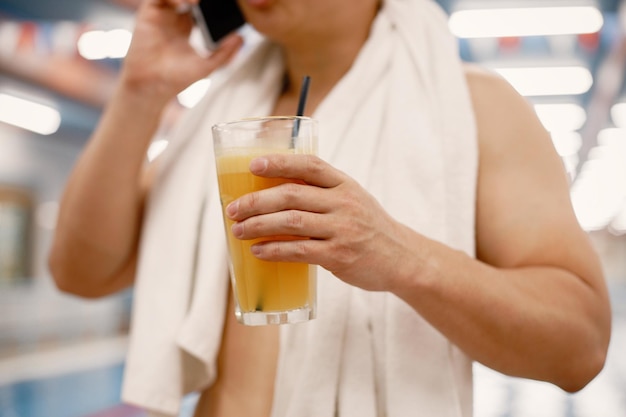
561, 117
119, 41
156, 148
29, 115
570, 163
599, 193
190, 96
100, 44
618, 114
618, 225
597, 197
548, 81
537, 21
567, 143
614, 137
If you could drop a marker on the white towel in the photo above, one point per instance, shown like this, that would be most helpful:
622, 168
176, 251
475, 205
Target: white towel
400, 122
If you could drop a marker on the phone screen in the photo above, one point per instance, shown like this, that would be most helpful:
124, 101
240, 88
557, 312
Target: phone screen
218, 18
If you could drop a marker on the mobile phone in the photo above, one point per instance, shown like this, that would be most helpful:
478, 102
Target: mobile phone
216, 19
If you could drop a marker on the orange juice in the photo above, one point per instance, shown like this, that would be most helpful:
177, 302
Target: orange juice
260, 286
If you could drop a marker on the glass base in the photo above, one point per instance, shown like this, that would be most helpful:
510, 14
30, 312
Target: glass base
262, 318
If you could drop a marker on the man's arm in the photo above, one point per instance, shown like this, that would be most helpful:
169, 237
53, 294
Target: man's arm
96, 241
95, 244
535, 303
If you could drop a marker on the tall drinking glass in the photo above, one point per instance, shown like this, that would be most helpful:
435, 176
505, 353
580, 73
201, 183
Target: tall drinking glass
265, 292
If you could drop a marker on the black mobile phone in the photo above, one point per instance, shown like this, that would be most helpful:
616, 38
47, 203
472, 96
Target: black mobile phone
216, 19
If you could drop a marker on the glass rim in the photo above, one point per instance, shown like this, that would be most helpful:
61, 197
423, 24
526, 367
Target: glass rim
223, 125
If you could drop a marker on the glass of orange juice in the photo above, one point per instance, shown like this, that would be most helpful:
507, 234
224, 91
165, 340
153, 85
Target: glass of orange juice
265, 292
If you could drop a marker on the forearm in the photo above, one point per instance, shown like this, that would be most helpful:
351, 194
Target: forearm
100, 214
538, 322
535, 306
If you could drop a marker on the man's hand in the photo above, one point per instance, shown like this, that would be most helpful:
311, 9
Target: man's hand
161, 62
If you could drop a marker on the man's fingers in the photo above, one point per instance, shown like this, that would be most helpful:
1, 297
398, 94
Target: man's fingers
307, 250
221, 56
227, 47
308, 168
288, 196
285, 223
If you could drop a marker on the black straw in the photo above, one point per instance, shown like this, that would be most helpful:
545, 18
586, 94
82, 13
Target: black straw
304, 92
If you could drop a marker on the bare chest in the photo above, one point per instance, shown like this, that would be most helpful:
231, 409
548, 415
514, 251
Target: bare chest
246, 369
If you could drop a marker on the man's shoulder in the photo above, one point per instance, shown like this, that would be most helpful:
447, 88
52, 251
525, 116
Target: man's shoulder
499, 109
485, 83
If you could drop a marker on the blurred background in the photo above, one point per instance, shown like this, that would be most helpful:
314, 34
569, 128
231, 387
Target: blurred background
63, 356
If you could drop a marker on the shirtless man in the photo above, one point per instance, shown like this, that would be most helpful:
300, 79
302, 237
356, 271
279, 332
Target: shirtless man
548, 314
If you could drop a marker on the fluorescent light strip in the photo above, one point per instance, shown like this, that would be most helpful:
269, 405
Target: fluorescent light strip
539, 21
190, 96
561, 117
156, 148
567, 143
599, 192
548, 81
100, 44
618, 114
614, 137
618, 225
29, 115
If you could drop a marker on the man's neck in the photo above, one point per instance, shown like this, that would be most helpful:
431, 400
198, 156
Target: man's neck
325, 61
